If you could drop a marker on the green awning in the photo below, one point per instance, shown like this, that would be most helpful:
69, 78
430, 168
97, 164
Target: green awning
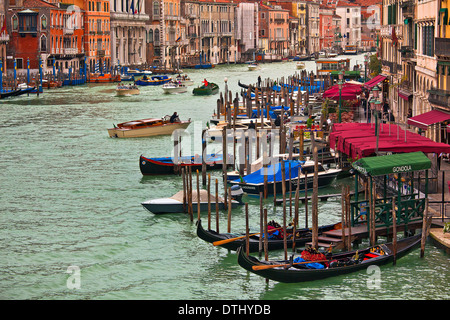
396, 163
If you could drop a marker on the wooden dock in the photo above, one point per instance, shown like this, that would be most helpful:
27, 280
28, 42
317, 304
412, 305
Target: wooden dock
333, 238
440, 239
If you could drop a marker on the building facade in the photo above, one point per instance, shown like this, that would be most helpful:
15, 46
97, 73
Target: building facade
128, 32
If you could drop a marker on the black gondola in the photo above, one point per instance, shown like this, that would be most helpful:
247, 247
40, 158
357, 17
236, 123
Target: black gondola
304, 235
247, 86
165, 165
16, 92
338, 264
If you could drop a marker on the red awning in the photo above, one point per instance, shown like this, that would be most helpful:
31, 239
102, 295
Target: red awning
373, 82
358, 140
426, 119
349, 92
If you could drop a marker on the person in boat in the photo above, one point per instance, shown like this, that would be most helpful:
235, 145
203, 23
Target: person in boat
251, 125
174, 118
205, 82
278, 121
309, 122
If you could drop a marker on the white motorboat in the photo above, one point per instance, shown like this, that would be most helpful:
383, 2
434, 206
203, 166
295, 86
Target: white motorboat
300, 65
184, 79
174, 87
253, 66
126, 90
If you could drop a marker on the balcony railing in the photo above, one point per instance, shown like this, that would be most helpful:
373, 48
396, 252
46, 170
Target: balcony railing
386, 30
439, 97
407, 8
70, 50
68, 31
4, 37
442, 47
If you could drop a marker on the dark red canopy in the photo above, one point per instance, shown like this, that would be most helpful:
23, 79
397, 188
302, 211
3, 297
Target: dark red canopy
349, 92
358, 140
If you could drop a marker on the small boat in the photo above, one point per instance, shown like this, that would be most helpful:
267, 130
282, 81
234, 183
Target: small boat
153, 81
139, 72
147, 128
126, 77
184, 79
253, 66
168, 165
254, 182
301, 269
274, 242
126, 90
103, 78
300, 65
174, 204
15, 93
174, 87
203, 90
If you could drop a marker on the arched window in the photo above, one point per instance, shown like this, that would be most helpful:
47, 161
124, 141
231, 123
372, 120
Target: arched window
156, 35
43, 22
150, 36
43, 43
15, 22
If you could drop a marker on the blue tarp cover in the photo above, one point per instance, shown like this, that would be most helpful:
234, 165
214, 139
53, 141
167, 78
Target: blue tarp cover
258, 176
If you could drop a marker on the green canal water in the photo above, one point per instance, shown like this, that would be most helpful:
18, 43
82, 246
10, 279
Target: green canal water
72, 226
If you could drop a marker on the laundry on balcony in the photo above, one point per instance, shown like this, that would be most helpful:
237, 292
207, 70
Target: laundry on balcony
424, 120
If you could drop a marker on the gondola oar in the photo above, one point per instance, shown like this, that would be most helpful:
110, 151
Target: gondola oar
220, 242
270, 266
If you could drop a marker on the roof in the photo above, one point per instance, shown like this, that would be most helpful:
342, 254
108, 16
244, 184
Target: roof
395, 163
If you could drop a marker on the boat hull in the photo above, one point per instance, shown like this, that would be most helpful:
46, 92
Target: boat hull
323, 181
212, 88
160, 166
126, 92
174, 90
296, 274
164, 129
167, 205
273, 244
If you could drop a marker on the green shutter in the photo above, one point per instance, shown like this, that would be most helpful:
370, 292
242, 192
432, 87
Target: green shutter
415, 36
389, 15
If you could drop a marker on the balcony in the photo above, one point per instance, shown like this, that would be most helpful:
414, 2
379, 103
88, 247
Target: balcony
407, 8
68, 31
100, 53
407, 52
442, 47
439, 97
70, 51
4, 38
386, 31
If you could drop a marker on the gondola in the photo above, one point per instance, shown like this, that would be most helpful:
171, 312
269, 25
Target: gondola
304, 235
165, 165
245, 86
335, 265
16, 92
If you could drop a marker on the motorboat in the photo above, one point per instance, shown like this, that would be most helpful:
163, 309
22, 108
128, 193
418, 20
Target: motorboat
127, 90
253, 66
184, 79
147, 127
203, 90
153, 80
178, 203
174, 87
300, 65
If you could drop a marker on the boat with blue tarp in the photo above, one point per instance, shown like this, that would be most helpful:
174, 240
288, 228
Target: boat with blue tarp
153, 80
254, 183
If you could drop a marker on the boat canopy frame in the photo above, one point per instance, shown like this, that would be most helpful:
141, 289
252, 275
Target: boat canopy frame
396, 173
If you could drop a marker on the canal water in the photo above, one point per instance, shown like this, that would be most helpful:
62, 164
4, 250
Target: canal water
72, 225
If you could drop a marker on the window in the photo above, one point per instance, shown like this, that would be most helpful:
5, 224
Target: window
43, 43
19, 63
15, 22
43, 22
150, 36
155, 8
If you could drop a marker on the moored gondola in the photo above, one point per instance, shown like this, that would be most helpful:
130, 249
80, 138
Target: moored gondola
303, 236
296, 270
